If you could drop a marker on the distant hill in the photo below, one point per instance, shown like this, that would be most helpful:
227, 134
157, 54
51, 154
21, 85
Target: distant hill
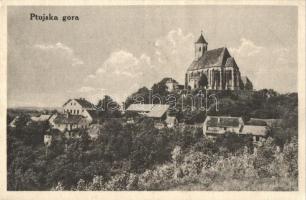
33, 108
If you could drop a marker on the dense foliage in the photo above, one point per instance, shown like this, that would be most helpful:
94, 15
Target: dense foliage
140, 157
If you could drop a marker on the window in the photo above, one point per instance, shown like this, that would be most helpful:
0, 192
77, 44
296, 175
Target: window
77, 111
200, 49
71, 103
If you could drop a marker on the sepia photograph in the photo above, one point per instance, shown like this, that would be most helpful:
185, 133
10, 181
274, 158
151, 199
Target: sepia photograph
153, 98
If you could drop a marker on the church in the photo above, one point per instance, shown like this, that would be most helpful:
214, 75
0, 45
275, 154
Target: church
214, 69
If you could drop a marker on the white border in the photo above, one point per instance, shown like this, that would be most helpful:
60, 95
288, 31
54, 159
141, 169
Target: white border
154, 195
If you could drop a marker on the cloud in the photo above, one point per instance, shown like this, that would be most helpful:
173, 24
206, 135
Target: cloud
122, 63
63, 49
173, 54
86, 89
247, 48
267, 67
123, 72
281, 54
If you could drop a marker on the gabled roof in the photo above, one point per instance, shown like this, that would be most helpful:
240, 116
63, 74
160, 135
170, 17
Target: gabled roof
214, 57
271, 122
70, 119
13, 122
256, 122
245, 79
157, 111
41, 118
201, 40
83, 102
140, 107
255, 130
223, 121
230, 62
149, 110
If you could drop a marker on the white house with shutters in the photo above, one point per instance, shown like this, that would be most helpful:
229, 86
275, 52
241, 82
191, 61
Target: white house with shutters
79, 107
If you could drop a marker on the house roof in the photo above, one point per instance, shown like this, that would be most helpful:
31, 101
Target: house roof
70, 119
201, 40
223, 121
150, 110
140, 107
214, 57
157, 111
41, 118
270, 122
255, 130
256, 122
83, 102
13, 122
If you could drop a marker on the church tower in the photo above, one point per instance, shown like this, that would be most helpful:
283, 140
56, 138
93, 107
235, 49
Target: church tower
200, 47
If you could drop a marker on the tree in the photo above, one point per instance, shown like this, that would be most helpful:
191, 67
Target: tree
108, 108
141, 96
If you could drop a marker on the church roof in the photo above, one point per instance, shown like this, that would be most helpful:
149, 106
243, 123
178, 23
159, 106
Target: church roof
214, 57
245, 79
230, 62
201, 40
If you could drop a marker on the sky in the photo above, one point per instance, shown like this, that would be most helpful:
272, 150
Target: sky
115, 50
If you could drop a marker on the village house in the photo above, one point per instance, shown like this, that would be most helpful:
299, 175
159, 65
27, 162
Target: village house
257, 128
41, 118
70, 122
77, 114
269, 122
171, 121
219, 68
157, 112
13, 122
80, 107
51, 120
47, 140
216, 125
171, 85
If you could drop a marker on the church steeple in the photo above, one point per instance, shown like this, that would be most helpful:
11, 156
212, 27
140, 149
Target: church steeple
200, 46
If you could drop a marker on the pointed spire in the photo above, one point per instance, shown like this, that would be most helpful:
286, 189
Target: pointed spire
201, 39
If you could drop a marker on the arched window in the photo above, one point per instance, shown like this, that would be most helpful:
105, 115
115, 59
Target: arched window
200, 49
